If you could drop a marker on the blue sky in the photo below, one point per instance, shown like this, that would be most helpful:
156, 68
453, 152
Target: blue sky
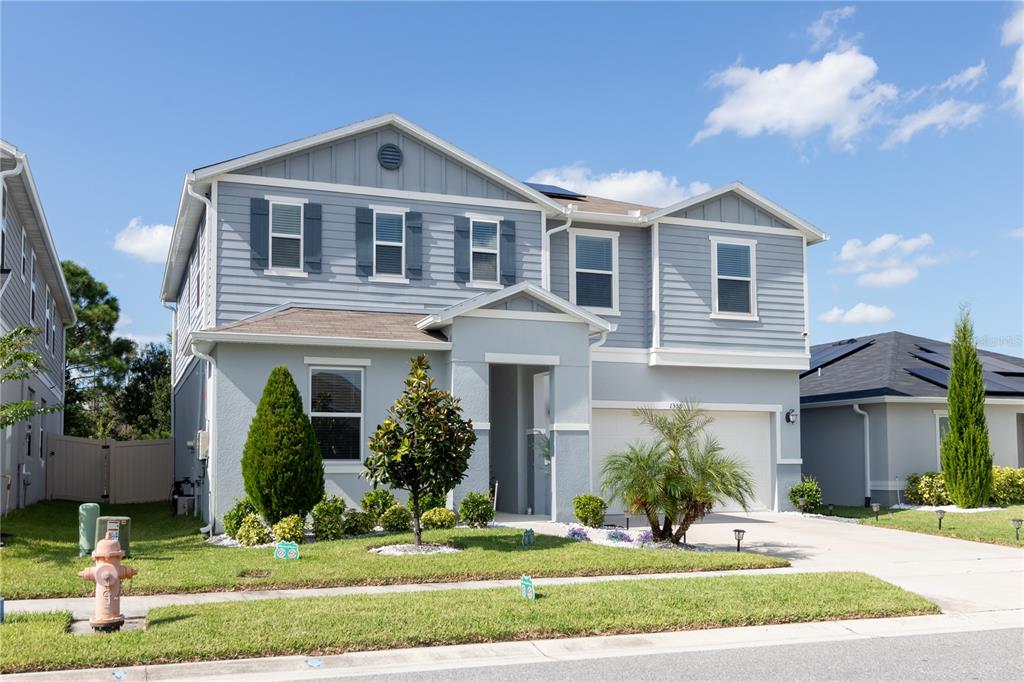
896, 128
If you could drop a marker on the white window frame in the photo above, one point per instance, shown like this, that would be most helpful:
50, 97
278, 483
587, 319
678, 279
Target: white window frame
483, 283
342, 465
33, 308
726, 315
939, 416
24, 255
607, 234
48, 329
286, 201
387, 276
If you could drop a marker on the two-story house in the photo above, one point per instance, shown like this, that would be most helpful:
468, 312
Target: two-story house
33, 293
550, 314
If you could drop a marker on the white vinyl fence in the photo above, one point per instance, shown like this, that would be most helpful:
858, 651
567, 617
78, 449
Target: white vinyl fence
116, 472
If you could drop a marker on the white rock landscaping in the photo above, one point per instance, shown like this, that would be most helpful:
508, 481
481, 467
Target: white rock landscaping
413, 550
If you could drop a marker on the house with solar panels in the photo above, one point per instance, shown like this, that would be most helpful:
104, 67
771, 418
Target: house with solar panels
552, 315
874, 411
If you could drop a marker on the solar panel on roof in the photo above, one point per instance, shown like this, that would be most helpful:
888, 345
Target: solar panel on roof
826, 355
554, 190
995, 384
988, 363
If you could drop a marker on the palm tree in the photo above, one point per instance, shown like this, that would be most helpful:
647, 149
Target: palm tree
638, 477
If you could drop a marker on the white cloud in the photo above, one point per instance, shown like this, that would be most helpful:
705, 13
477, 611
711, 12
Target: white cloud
647, 187
890, 260
944, 116
966, 79
825, 26
862, 313
838, 93
121, 329
888, 277
1013, 34
1016, 234
148, 243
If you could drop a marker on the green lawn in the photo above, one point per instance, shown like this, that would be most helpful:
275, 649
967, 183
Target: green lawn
989, 526
41, 557
318, 626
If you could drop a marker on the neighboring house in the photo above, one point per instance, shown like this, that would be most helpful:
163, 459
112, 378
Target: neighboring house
874, 410
32, 293
550, 314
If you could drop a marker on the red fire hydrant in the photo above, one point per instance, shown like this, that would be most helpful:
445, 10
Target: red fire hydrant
108, 574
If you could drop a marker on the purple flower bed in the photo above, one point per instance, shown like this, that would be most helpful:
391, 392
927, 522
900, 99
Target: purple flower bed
619, 536
647, 536
578, 534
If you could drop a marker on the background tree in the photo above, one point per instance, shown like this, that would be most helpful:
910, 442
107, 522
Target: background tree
966, 458
143, 404
282, 467
424, 444
17, 362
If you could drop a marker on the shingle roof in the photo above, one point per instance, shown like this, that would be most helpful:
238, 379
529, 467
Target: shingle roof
880, 369
603, 205
348, 324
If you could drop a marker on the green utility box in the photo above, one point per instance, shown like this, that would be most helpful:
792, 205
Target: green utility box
87, 515
120, 527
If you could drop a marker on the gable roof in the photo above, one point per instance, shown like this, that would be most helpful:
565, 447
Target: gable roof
445, 317
814, 235
897, 364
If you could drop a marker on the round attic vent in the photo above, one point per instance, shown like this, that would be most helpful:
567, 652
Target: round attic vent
389, 156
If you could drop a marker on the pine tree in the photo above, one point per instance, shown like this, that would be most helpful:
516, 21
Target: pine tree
965, 454
281, 463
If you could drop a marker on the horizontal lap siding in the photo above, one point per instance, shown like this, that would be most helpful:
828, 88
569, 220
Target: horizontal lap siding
243, 292
685, 255
188, 317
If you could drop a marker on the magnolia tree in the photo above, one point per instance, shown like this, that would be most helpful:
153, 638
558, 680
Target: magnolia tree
424, 444
17, 362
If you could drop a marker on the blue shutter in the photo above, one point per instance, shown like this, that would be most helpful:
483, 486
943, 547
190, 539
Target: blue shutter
414, 245
259, 233
461, 248
311, 229
364, 241
508, 252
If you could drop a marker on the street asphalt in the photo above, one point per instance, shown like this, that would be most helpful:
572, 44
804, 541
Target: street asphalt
993, 656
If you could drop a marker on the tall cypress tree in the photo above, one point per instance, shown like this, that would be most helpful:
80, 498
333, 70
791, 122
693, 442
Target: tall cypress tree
966, 458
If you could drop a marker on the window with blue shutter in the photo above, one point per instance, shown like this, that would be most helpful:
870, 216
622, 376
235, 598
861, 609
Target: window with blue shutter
285, 236
484, 242
733, 277
389, 244
595, 270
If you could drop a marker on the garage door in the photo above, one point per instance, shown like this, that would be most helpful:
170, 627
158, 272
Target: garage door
744, 435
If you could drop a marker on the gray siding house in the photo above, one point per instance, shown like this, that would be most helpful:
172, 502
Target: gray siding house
33, 293
550, 314
874, 411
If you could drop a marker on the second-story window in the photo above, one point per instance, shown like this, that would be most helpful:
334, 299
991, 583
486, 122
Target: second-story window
48, 330
285, 236
197, 274
594, 280
24, 255
32, 274
733, 278
388, 244
485, 245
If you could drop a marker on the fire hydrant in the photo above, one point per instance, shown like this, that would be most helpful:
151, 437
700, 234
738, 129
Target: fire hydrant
108, 574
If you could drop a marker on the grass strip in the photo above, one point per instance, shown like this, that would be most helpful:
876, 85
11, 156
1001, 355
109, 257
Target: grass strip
319, 626
993, 527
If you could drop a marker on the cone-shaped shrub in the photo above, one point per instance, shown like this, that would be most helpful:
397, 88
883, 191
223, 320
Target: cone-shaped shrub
965, 454
281, 463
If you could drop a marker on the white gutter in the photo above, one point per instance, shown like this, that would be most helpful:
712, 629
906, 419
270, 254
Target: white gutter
546, 247
18, 166
867, 453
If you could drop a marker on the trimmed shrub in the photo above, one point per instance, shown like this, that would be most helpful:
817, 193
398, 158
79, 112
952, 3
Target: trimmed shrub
477, 510
428, 502
578, 534
1007, 486
357, 523
928, 488
398, 519
589, 510
327, 518
234, 516
808, 489
252, 531
619, 535
377, 501
438, 517
282, 467
290, 528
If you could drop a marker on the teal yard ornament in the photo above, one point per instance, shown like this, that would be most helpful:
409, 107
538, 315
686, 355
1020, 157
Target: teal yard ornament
286, 550
529, 537
526, 590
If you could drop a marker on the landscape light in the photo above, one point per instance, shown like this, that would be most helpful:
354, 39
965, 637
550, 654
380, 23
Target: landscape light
803, 503
738, 534
939, 513
875, 506
831, 509
1017, 523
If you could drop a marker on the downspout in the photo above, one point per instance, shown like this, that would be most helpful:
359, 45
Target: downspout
867, 453
18, 167
210, 528
546, 279
206, 225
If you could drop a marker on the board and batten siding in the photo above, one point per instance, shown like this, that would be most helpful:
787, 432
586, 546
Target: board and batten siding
730, 208
242, 291
685, 260
634, 319
353, 161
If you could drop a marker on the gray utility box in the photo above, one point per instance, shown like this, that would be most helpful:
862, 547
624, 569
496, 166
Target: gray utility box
87, 515
185, 505
120, 527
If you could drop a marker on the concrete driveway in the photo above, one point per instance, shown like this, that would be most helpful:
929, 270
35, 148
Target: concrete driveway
959, 576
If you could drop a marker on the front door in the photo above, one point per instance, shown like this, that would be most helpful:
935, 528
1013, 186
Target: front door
539, 459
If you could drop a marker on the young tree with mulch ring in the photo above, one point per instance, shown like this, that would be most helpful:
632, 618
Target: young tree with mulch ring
424, 444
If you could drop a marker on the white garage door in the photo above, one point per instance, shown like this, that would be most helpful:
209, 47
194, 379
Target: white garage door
744, 435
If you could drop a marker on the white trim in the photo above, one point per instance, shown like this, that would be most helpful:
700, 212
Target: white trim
807, 324
280, 199
655, 286
388, 279
601, 234
613, 354
500, 314
489, 286
935, 400
669, 404
343, 466
296, 340
336, 362
483, 283
521, 359
398, 277
388, 209
481, 426
285, 272
731, 227
692, 357
939, 416
301, 237
347, 415
212, 236
569, 426
482, 217
751, 244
